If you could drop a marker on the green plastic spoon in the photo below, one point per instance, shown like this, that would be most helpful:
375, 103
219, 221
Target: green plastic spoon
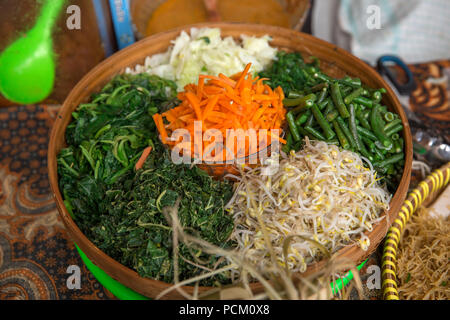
27, 66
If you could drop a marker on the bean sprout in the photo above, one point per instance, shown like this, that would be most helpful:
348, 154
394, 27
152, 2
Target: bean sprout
320, 193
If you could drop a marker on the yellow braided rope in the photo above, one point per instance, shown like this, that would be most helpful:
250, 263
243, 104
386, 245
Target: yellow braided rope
431, 185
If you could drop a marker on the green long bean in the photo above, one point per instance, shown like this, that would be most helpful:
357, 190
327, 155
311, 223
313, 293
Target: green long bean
332, 115
322, 95
392, 124
319, 87
397, 146
389, 116
315, 133
364, 101
366, 133
346, 131
352, 125
292, 126
378, 154
355, 83
310, 120
394, 129
369, 143
363, 121
328, 132
354, 94
341, 136
376, 96
301, 102
391, 160
301, 119
377, 125
323, 104
289, 141
337, 99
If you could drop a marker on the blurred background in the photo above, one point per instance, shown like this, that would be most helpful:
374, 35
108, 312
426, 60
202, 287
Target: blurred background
416, 30
107, 26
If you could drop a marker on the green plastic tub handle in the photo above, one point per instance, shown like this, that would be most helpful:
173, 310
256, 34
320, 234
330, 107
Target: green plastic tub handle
342, 282
116, 288
124, 293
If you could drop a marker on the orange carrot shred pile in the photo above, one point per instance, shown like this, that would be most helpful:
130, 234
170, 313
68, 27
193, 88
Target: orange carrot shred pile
220, 102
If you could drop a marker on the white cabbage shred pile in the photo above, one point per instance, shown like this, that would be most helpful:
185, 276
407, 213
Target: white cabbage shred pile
205, 52
324, 195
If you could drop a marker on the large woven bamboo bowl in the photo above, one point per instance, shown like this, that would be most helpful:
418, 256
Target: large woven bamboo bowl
334, 61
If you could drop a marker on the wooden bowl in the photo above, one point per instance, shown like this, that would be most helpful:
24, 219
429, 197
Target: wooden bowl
334, 61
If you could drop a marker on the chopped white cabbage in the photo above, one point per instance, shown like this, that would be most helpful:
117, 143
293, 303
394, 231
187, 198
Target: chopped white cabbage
205, 52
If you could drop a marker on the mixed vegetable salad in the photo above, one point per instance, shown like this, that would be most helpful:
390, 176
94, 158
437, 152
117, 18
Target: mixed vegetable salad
341, 160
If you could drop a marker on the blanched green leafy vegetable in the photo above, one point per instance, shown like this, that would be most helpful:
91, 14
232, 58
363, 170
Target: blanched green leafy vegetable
135, 231
288, 72
120, 209
107, 137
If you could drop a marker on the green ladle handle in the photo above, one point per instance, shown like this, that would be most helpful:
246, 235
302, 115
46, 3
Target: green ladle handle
27, 66
49, 13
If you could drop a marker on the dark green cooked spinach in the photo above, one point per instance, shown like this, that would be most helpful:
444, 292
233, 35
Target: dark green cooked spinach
107, 137
288, 71
135, 231
120, 209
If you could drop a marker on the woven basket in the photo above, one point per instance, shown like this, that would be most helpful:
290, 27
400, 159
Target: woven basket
427, 189
334, 61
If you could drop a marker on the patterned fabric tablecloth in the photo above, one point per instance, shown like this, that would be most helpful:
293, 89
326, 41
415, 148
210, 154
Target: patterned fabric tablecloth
35, 250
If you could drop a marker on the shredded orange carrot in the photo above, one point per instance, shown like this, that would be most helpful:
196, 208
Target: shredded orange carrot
160, 126
143, 157
223, 103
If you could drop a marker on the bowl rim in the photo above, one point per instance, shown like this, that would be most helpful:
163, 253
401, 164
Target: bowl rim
150, 287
